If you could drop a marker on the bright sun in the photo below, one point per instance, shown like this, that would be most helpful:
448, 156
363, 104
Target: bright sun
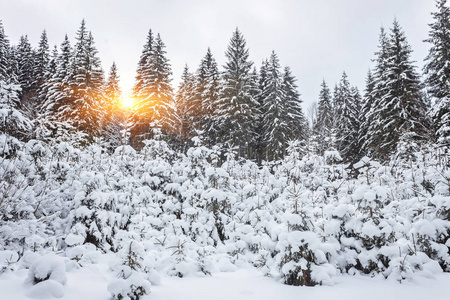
126, 101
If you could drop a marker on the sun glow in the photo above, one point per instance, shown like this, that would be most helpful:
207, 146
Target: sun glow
126, 101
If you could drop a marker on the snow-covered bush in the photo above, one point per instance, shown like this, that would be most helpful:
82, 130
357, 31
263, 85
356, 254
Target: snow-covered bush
131, 283
157, 211
303, 261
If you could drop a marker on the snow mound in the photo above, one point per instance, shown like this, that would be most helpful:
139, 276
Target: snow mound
48, 267
46, 290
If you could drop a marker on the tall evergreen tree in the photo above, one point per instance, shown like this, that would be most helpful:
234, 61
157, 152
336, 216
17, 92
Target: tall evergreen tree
86, 84
206, 97
186, 94
12, 121
143, 70
324, 124
437, 70
366, 116
25, 61
41, 123
114, 117
276, 131
236, 109
346, 120
260, 96
41, 62
357, 149
4, 53
398, 106
378, 90
155, 106
295, 117
56, 107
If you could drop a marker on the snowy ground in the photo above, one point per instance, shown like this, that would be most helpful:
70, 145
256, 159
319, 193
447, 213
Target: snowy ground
90, 283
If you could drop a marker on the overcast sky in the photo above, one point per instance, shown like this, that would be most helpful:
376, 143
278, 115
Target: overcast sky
316, 38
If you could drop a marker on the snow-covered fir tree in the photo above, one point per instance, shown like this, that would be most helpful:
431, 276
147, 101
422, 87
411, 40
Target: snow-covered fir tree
155, 103
41, 123
207, 94
275, 128
437, 70
236, 110
366, 112
56, 107
346, 118
296, 119
41, 65
323, 126
187, 112
114, 115
398, 107
4, 53
86, 83
282, 116
12, 121
25, 63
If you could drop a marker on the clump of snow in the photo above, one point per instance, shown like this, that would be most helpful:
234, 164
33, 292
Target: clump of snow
74, 239
28, 259
48, 267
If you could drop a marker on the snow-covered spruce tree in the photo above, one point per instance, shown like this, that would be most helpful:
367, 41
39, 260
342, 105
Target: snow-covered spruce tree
323, 126
437, 70
186, 110
41, 65
154, 93
378, 82
41, 75
398, 107
57, 104
365, 113
357, 101
86, 85
282, 117
295, 118
25, 63
207, 93
12, 121
114, 116
131, 283
275, 128
138, 125
41, 126
346, 116
4, 53
259, 132
236, 110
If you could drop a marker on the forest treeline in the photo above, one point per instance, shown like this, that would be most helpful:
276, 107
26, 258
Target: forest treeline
61, 94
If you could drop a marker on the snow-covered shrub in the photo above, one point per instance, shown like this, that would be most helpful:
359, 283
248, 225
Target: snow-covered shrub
132, 287
94, 211
48, 267
131, 283
302, 261
8, 259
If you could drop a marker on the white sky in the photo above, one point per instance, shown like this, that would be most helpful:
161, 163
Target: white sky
316, 38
